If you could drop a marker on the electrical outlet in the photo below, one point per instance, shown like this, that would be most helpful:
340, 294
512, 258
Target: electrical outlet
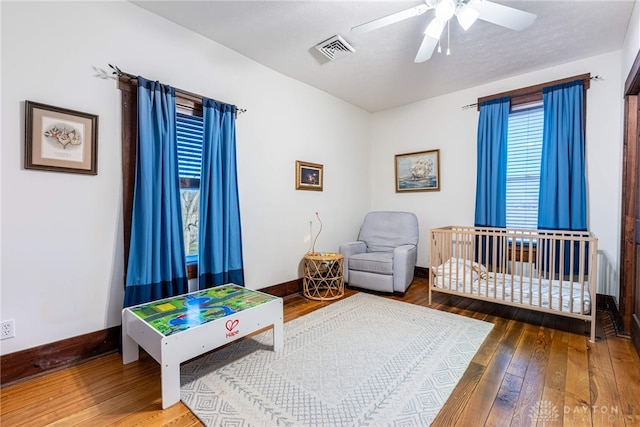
8, 329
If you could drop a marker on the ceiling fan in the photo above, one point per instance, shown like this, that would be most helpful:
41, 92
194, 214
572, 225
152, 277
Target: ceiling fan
466, 11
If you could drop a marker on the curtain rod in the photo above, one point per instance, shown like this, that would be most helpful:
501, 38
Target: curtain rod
475, 104
121, 74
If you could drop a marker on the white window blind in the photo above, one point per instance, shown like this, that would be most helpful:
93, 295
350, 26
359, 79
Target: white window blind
523, 166
189, 131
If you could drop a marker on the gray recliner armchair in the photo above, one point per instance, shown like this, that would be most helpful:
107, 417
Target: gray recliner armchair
384, 257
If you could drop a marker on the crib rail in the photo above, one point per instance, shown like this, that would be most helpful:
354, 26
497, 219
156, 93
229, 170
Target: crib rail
545, 270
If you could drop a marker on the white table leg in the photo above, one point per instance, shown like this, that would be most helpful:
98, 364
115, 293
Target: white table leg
170, 377
278, 335
130, 350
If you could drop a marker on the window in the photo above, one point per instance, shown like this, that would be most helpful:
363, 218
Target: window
189, 132
189, 129
524, 153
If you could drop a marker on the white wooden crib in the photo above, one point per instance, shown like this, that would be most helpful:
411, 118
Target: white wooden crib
553, 271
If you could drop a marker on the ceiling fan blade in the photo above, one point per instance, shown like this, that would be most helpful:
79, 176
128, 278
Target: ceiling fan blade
504, 16
390, 19
426, 49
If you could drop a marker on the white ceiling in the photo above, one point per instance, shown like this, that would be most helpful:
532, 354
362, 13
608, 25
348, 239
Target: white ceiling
381, 73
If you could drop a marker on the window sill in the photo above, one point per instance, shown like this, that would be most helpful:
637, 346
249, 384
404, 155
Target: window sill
192, 270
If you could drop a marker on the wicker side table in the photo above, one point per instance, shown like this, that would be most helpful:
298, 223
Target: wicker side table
323, 276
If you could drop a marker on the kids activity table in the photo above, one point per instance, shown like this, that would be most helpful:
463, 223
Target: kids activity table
176, 329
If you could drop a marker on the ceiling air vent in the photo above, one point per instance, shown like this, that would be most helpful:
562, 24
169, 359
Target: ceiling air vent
335, 47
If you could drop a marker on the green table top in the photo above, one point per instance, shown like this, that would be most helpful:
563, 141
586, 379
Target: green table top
176, 314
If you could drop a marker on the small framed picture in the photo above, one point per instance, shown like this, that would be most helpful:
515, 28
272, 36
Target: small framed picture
419, 171
309, 176
60, 140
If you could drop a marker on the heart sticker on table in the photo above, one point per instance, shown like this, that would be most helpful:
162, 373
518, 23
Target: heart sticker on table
231, 324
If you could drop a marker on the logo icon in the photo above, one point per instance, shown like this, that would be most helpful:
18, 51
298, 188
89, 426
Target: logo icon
231, 325
544, 411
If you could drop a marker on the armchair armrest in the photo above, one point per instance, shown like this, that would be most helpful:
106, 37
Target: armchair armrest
404, 264
348, 249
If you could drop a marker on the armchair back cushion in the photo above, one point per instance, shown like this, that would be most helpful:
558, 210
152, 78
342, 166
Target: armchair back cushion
383, 231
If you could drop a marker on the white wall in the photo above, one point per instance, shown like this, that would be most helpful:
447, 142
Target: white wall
631, 45
62, 246
441, 123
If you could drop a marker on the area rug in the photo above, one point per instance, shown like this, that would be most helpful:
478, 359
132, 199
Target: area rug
362, 361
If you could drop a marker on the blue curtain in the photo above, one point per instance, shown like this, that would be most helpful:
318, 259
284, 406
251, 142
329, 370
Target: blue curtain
563, 189
220, 237
156, 267
491, 184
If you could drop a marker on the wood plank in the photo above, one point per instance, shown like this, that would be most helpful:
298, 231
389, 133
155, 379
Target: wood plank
533, 384
487, 350
478, 408
554, 380
625, 367
505, 402
524, 350
49, 382
602, 379
153, 415
67, 402
463, 391
64, 385
577, 400
549, 410
459, 305
556, 372
110, 410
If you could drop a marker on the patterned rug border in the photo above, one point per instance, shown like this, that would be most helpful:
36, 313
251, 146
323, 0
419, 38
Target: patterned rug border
363, 360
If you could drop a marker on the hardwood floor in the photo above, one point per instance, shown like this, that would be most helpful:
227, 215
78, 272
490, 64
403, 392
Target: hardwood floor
530, 361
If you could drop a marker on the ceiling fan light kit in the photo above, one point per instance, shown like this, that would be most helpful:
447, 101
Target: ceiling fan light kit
466, 12
445, 10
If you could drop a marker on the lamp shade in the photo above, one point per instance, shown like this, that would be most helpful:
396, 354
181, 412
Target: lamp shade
445, 10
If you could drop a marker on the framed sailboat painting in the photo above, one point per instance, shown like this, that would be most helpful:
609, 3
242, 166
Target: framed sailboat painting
419, 171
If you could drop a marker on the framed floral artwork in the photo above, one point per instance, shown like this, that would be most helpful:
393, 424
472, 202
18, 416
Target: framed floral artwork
61, 140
